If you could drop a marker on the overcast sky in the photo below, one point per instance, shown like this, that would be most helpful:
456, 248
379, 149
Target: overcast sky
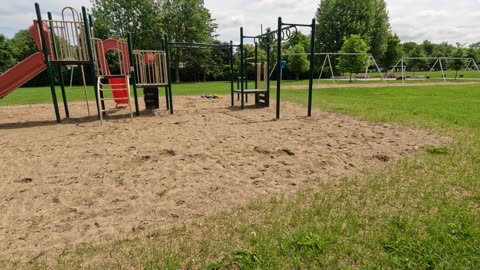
412, 20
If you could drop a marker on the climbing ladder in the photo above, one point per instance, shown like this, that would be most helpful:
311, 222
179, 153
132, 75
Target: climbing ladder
115, 85
261, 97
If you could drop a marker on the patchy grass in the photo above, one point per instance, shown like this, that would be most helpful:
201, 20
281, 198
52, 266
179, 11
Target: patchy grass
422, 212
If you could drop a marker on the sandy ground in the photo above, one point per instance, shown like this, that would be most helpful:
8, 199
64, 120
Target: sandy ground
79, 181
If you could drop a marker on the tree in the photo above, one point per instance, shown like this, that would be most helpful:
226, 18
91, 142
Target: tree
408, 47
186, 21
6, 57
443, 48
353, 63
457, 63
474, 51
380, 31
428, 47
298, 63
297, 38
342, 18
116, 18
420, 60
393, 53
218, 63
22, 45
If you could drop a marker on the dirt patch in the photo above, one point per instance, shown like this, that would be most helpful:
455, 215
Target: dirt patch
79, 181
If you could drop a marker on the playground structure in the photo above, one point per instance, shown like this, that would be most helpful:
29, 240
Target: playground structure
118, 84
261, 94
70, 42
402, 65
169, 45
60, 42
285, 31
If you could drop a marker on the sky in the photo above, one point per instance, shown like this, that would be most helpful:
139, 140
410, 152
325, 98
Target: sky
412, 20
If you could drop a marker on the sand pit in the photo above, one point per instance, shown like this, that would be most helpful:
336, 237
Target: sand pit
80, 181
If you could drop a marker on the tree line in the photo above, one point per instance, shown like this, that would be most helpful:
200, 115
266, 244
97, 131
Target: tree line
360, 26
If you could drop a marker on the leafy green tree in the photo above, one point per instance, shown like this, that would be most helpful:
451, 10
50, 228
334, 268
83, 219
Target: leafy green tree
475, 46
218, 64
380, 31
420, 60
6, 57
408, 47
437, 53
428, 47
116, 18
342, 18
186, 21
22, 45
474, 51
393, 52
298, 63
457, 63
353, 63
443, 48
298, 39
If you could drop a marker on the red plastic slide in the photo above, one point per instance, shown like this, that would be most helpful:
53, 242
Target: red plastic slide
21, 73
120, 90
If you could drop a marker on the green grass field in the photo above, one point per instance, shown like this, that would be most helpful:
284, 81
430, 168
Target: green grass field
421, 212
419, 76
31, 95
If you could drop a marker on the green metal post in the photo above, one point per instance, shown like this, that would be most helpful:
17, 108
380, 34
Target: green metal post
241, 69
167, 102
167, 99
47, 62
64, 94
310, 83
232, 77
90, 22
268, 69
169, 76
87, 24
279, 59
246, 69
133, 72
256, 63
60, 72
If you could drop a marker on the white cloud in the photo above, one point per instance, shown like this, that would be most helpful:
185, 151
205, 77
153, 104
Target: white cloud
435, 20
412, 20
16, 15
258, 14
